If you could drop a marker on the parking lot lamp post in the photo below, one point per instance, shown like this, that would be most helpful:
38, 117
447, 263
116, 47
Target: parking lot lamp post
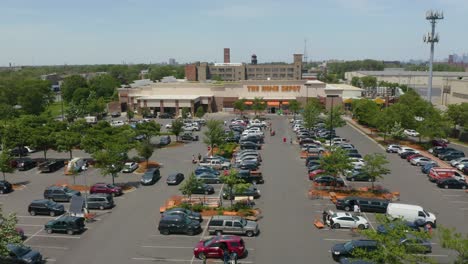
331, 121
85, 169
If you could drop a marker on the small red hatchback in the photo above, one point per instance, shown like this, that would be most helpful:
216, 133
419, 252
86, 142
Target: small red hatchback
315, 173
106, 188
213, 247
410, 157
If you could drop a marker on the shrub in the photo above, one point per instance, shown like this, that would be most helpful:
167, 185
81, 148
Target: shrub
198, 207
226, 150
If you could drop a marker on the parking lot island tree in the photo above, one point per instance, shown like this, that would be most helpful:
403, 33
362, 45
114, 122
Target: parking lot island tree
110, 159
8, 232
177, 128
5, 163
239, 104
145, 150
336, 162
258, 105
185, 112
311, 115
66, 141
375, 166
457, 242
200, 112
130, 114
334, 118
190, 185
148, 130
42, 139
214, 135
294, 107
390, 248
231, 180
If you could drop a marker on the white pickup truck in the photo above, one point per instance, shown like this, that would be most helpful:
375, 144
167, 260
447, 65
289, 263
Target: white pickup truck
216, 164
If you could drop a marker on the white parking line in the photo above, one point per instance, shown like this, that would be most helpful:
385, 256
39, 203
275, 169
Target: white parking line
50, 260
459, 201
61, 248
51, 236
451, 195
38, 217
335, 239
167, 247
28, 225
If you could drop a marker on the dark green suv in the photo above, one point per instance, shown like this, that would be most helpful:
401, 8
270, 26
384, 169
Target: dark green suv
178, 224
66, 224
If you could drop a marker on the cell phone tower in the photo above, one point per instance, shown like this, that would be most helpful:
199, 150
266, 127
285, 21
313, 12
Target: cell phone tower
432, 38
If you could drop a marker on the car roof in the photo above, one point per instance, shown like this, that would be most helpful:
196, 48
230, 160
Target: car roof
228, 238
362, 242
40, 201
340, 214
172, 217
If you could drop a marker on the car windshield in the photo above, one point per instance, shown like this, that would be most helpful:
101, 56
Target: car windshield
20, 251
66, 189
110, 186
427, 214
349, 246
188, 221
355, 218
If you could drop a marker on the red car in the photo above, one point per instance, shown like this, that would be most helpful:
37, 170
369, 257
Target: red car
106, 188
211, 248
410, 157
315, 173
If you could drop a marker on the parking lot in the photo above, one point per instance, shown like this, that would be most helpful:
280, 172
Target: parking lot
128, 233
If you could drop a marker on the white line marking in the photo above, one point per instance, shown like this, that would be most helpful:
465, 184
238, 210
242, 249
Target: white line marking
368, 221
51, 236
432, 255
35, 246
184, 260
33, 235
167, 247
451, 195
38, 217
335, 239
362, 133
459, 201
28, 225
50, 260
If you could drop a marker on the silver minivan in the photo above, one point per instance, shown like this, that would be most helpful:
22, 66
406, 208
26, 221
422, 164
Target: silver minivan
100, 201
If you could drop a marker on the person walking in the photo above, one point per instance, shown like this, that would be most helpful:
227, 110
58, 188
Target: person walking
357, 209
324, 217
199, 157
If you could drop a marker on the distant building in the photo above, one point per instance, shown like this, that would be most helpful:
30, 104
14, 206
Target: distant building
172, 61
227, 55
241, 71
53, 78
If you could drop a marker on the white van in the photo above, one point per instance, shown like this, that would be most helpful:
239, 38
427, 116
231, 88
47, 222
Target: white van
75, 165
410, 213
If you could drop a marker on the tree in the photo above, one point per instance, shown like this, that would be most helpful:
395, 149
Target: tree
177, 127
458, 114
375, 166
214, 135
240, 105
311, 115
110, 159
145, 111
185, 112
8, 232
231, 180
396, 132
35, 96
190, 185
148, 129
366, 111
145, 150
334, 119
258, 104
95, 105
70, 85
66, 141
5, 163
103, 85
200, 112
356, 81
294, 106
457, 242
389, 246
130, 114
336, 162
42, 139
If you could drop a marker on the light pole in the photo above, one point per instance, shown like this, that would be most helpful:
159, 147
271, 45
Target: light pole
331, 122
432, 38
85, 169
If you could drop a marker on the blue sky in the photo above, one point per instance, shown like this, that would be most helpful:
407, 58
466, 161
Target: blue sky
143, 31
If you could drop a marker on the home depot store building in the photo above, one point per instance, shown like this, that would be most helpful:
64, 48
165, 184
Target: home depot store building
213, 97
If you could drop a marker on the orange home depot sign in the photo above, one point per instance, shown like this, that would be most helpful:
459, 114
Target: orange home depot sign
273, 88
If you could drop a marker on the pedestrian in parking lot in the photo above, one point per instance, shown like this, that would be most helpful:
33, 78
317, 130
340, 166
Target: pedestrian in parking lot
199, 157
428, 228
357, 209
324, 217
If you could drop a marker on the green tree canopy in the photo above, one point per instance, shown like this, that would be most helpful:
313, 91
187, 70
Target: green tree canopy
177, 127
336, 162
214, 135
110, 159
375, 166
239, 104
190, 185
70, 85
311, 115
8, 233
334, 119
5, 163
366, 111
258, 104
200, 112
104, 85
457, 242
231, 180
145, 150
294, 106
66, 141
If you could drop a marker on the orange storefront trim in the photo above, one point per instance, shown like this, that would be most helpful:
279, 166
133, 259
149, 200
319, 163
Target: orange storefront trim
248, 102
273, 103
285, 103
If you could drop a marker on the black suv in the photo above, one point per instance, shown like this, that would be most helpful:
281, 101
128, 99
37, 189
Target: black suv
371, 205
21, 254
5, 187
189, 137
68, 224
183, 212
59, 193
45, 207
25, 164
51, 165
343, 250
178, 224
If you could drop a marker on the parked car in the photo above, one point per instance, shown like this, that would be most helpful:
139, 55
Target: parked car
441, 151
59, 193
251, 191
24, 164
189, 137
436, 174
392, 148
45, 207
100, 201
106, 188
69, 224
19, 151
183, 212
407, 225
249, 145
223, 224
130, 167
405, 155
354, 155
5, 187
439, 142
209, 178
404, 149
347, 220
455, 162
426, 168
462, 165
151, 176
164, 140
166, 116
411, 132
342, 250
203, 189
452, 183
178, 224
436, 149
51, 165
451, 155
209, 248
200, 169
175, 178
115, 114
414, 244
358, 175
248, 165
22, 254
327, 180
421, 161
410, 157
372, 205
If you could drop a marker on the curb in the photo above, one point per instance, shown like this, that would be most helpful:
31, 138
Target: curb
131, 189
363, 133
